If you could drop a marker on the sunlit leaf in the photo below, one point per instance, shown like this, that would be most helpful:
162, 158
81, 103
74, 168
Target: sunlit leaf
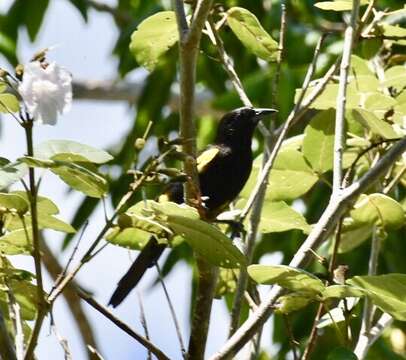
278, 216
337, 5
14, 201
395, 77
66, 150
369, 120
249, 31
153, 38
288, 277
16, 242
341, 292
388, 292
130, 238
9, 103
378, 209
318, 143
293, 302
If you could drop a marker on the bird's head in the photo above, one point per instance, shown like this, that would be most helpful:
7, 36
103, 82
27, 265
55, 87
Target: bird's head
237, 126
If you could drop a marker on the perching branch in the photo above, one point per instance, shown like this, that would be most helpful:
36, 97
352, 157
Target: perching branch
303, 256
189, 45
104, 311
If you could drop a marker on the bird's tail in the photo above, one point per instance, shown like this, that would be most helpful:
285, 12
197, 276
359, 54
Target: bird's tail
147, 258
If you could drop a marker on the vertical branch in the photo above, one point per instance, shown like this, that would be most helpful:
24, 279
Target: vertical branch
257, 207
189, 45
339, 139
42, 307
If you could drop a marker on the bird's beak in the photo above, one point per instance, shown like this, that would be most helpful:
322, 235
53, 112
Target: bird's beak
261, 113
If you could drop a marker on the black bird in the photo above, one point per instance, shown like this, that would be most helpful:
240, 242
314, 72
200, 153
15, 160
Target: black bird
223, 167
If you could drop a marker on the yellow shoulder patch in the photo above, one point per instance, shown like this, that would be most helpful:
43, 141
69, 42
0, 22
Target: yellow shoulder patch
206, 157
163, 198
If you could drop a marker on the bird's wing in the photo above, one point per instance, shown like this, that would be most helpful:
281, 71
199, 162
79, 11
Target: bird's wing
206, 157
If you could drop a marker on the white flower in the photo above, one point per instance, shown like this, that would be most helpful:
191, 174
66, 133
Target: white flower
46, 92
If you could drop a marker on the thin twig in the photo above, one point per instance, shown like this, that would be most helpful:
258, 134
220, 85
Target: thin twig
173, 312
291, 337
317, 236
144, 321
339, 137
62, 341
75, 306
369, 308
104, 311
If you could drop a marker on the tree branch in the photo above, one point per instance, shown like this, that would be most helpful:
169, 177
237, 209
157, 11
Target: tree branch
318, 235
55, 270
189, 45
141, 339
339, 137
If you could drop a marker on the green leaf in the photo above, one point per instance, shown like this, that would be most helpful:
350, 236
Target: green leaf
287, 277
341, 292
25, 294
153, 38
148, 224
293, 302
388, 292
341, 353
378, 209
278, 217
289, 179
208, 241
130, 238
369, 120
249, 31
395, 77
11, 173
70, 151
328, 98
359, 66
16, 242
82, 179
337, 5
44, 205
353, 234
80, 176
392, 31
14, 201
9, 103
34, 12
318, 143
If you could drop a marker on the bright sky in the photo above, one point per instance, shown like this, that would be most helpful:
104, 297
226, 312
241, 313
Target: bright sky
84, 49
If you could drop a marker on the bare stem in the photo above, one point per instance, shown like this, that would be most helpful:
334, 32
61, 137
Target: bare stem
339, 138
42, 305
